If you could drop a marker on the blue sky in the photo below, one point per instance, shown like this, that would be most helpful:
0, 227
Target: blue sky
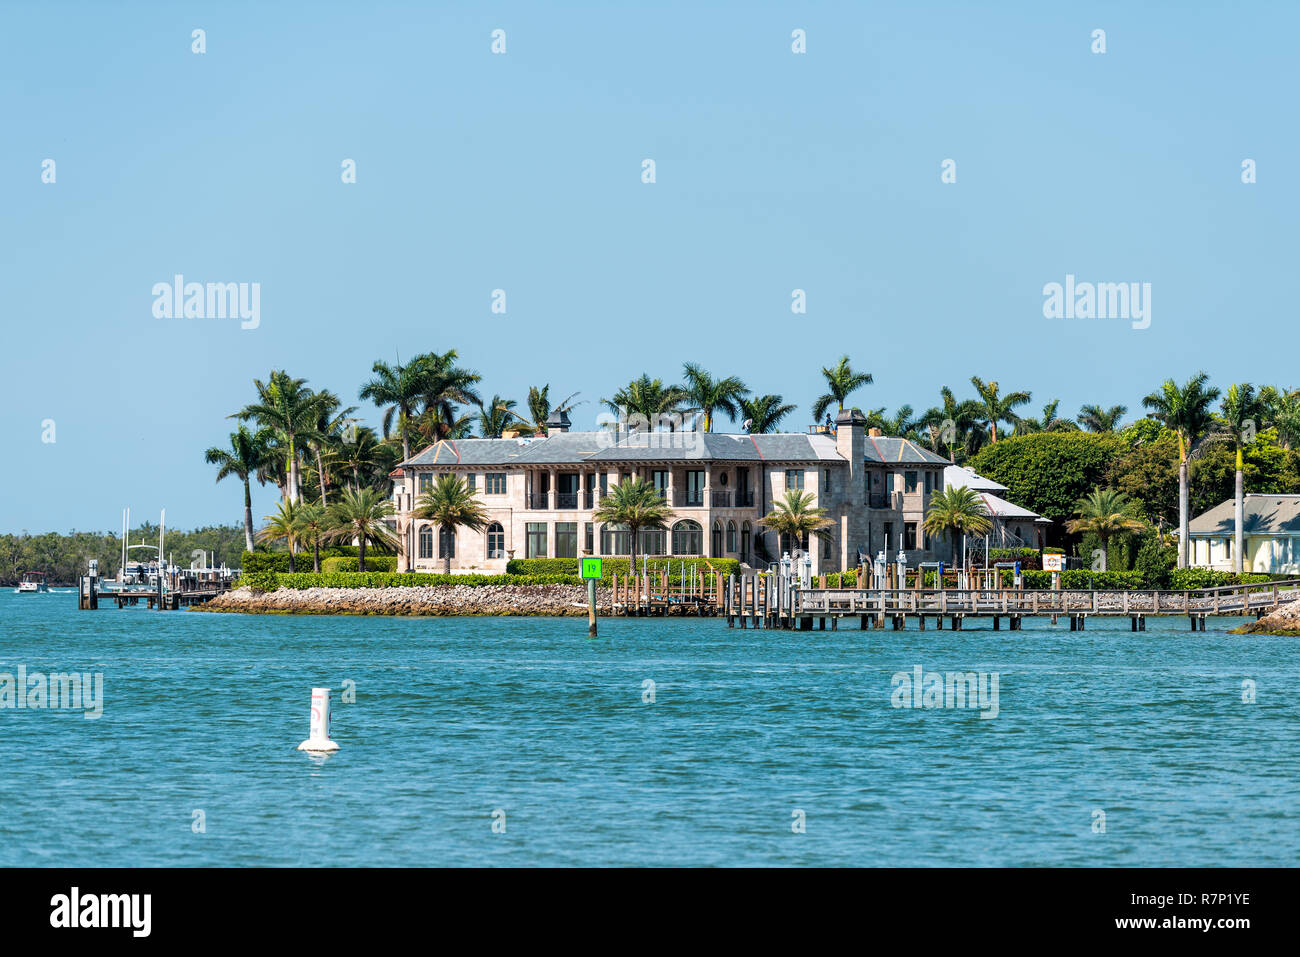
521, 171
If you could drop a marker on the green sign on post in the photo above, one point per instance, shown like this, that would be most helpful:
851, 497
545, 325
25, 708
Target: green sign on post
590, 567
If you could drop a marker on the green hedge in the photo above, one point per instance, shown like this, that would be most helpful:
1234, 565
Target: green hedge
1193, 578
344, 563
301, 580
279, 561
619, 566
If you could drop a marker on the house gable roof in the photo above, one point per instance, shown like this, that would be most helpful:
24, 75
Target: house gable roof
1262, 514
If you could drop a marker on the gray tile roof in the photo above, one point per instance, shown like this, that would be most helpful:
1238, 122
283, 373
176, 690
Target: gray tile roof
1262, 515
884, 448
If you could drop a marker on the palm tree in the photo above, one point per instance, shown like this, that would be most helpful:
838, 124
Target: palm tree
763, 413
1284, 414
706, 394
244, 458
949, 423
1185, 411
284, 524
956, 510
450, 503
841, 382
647, 398
359, 516
359, 455
494, 417
795, 517
312, 525
399, 387
635, 504
995, 408
446, 385
1106, 513
1050, 422
1094, 418
540, 409
1244, 410
431, 427
901, 424
331, 419
288, 408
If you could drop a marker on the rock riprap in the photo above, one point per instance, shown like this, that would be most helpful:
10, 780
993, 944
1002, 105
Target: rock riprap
414, 600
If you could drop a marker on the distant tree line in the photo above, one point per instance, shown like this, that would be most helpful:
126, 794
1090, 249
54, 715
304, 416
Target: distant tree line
63, 558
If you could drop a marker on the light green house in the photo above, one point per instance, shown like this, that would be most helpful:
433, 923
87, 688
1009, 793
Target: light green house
1270, 530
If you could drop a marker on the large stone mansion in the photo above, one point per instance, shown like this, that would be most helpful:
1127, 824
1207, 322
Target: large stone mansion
540, 492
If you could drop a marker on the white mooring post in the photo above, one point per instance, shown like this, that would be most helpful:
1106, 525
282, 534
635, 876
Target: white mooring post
319, 737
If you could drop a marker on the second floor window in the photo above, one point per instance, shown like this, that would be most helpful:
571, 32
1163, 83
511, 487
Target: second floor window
494, 483
909, 480
794, 479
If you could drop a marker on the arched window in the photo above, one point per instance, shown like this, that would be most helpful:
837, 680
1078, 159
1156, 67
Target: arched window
746, 534
447, 542
496, 541
426, 541
717, 538
688, 538
731, 538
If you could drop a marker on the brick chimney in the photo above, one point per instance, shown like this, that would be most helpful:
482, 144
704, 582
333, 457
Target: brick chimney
850, 427
875, 432
557, 422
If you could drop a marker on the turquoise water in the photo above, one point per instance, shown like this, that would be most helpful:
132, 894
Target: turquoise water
456, 718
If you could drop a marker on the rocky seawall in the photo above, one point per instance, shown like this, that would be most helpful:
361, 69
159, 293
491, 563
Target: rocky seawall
1285, 620
548, 600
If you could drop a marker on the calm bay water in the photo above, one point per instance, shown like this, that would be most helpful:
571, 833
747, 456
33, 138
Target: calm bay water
455, 718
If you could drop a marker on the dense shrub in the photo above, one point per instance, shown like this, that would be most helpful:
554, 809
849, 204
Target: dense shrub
1155, 561
619, 566
279, 561
344, 563
1194, 578
1028, 557
303, 580
258, 581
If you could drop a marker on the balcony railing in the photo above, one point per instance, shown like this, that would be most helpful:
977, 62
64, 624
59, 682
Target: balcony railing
566, 499
538, 500
689, 499
720, 499
589, 497
745, 498
891, 500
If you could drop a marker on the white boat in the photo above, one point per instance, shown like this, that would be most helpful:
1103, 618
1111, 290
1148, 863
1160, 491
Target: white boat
33, 583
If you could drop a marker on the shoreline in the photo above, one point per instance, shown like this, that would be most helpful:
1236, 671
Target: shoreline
553, 601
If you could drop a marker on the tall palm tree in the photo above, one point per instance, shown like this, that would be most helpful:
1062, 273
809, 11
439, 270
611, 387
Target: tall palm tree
1094, 418
495, 416
540, 408
995, 407
327, 435
400, 388
901, 424
635, 504
646, 397
1050, 421
313, 525
1244, 409
1184, 410
358, 456
796, 516
949, 422
431, 427
359, 516
1106, 513
1284, 414
445, 386
283, 524
244, 458
451, 504
288, 408
956, 510
841, 382
763, 413
707, 395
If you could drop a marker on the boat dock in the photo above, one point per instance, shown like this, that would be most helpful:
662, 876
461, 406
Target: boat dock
171, 592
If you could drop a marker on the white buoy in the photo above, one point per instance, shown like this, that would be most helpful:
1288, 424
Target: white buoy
319, 737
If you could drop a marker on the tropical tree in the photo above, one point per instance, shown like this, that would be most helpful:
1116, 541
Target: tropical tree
1107, 513
950, 422
956, 510
1184, 410
284, 524
431, 426
763, 413
359, 516
634, 504
445, 386
495, 416
328, 434
1050, 421
900, 424
451, 503
400, 388
841, 382
313, 525
288, 409
245, 457
1284, 413
795, 517
540, 409
995, 407
1094, 418
358, 454
707, 395
647, 398
1244, 409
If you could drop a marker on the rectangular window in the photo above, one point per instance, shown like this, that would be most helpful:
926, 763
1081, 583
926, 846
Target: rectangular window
589, 537
566, 539
826, 482
909, 535
793, 479
909, 480
929, 482
425, 482
536, 540
604, 484
938, 481
661, 478
471, 480
889, 481
494, 483
694, 487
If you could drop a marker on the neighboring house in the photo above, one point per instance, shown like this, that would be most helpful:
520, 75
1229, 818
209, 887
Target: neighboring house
540, 492
1013, 526
1270, 531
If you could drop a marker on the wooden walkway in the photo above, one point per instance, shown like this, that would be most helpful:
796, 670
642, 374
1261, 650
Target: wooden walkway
181, 592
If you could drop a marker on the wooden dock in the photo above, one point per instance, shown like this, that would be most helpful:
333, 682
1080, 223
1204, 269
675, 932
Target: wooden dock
176, 591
